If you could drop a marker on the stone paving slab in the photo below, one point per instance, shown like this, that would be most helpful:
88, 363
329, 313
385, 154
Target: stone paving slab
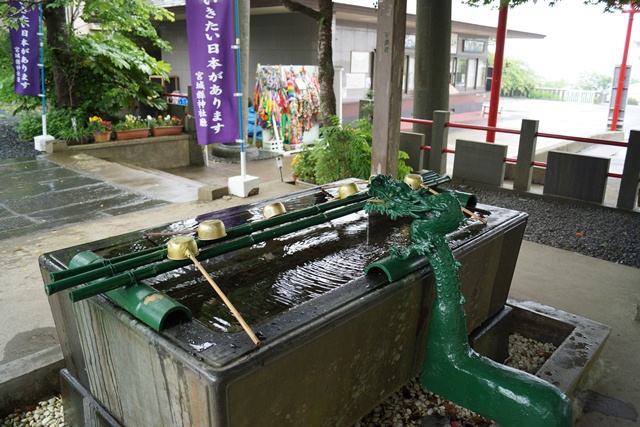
37, 194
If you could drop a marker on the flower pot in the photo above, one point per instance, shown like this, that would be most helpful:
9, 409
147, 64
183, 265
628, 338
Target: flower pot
102, 136
122, 135
166, 130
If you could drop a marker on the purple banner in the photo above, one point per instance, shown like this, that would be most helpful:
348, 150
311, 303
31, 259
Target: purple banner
25, 50
211, 36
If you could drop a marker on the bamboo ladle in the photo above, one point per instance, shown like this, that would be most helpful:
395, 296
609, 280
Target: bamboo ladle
185, 247
210, 229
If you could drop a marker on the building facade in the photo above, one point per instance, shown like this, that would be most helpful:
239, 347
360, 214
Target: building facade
280, 37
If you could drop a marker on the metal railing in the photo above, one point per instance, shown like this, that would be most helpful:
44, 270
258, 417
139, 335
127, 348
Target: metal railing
524, 164
517, 132
571, 95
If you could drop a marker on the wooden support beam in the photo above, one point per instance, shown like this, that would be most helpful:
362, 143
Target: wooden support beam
388, 71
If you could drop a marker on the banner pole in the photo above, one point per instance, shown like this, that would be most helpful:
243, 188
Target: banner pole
41, 65
243, 156
40, 141
243, 185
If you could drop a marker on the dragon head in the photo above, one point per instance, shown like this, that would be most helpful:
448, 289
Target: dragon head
390, 197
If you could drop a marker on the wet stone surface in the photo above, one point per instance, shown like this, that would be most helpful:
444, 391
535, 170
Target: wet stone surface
41, 182
37, 195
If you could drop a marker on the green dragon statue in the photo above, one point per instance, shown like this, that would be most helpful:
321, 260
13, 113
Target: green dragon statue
434, 215
451, 368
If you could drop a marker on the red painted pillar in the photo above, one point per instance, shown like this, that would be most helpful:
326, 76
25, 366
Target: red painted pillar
496, 78
623, 70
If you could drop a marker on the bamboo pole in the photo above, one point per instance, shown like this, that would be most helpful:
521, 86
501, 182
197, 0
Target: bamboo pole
465, 210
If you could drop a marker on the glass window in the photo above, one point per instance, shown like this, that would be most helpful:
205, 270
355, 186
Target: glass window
461, 73
410, 70
482, 73
452, 71
471, 73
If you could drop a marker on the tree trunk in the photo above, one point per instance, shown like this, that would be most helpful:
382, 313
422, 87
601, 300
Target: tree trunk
324, 17
325, 62
60, 54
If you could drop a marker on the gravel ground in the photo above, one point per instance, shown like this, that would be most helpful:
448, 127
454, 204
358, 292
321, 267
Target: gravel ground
598, 232
11, 145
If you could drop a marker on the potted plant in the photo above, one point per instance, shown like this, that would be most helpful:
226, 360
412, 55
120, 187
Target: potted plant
101, 129
131, 128
77, 135
304, 166
167, 125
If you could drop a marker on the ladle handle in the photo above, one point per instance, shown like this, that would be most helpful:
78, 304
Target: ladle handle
170, 233
237, 315
325, 187
465, 210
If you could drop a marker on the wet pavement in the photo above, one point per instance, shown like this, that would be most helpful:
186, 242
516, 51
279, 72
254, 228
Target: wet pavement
37, 194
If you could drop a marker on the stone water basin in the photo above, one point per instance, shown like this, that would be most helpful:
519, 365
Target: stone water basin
335, 342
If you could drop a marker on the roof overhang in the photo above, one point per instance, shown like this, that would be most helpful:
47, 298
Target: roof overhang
357, 14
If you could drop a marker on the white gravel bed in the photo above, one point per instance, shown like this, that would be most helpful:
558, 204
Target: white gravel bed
47, 413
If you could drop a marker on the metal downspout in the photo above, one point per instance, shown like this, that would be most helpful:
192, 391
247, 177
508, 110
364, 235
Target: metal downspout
456, 372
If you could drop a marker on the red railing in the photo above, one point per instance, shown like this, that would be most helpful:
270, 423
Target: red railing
177, 95
517, 132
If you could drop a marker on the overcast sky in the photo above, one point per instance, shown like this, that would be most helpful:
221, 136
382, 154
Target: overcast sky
580, 38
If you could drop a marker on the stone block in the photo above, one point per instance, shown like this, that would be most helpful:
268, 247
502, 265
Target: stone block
29, 378
208, 193
576, 176
244, 186
479, 162
410, 143
80, 407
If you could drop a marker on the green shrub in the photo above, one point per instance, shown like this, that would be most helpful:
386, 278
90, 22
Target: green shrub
30, 125
544, 94
632, 101
343, 152
59, 123
304, 165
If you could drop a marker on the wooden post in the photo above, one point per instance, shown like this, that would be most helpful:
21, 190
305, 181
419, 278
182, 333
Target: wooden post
628, 193
388, 86
526, 155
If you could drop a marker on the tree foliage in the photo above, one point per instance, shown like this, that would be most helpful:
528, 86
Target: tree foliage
609, 5
100, 71
553, 84
517, 79
594, 81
